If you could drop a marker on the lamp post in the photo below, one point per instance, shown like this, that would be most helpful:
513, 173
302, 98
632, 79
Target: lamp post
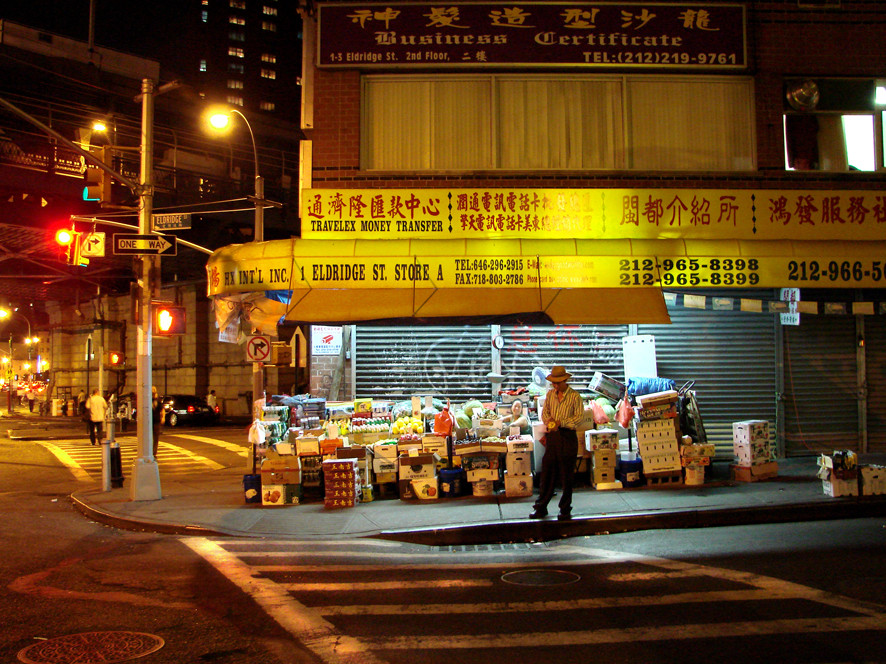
219, 120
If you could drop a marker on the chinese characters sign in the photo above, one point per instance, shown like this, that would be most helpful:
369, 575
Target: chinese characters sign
711, 214
624, 35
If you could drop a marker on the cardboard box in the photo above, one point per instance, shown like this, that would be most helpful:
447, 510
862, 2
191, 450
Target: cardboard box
658, 399
328, 446
607, 386
661, 463
278, 494
496, 447
663, 411
417, 467
694, 475
872, 480
755, 473
837, 488
688, 461
407, 492
388, 451
426, 489
699, 450
749, 431
383, 466
518, 464
521, 444
517, 486
436, 445
356, 452
307, 446
272, 477
362, 406
600, 439
462, 448
405, 448
479, 461
386, 478
481, 474
600, 475
650, 449
604, 458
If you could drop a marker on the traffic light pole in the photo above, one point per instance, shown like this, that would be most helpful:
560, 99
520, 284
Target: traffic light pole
145, 472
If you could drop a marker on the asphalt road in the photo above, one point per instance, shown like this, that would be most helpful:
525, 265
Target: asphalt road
805, 592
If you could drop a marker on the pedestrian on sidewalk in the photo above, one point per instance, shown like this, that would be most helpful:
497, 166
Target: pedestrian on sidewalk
81, 402
562, 413
31, 395
156, 417
124, 411
212, 400
96, 407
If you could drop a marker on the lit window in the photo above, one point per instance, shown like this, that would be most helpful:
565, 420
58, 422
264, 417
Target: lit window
236, 52
235, 100
204, 15
237, 36
269, 11
203, 65
268, 73
237, 4
234, 84
270, 27
236, 20
205, 3
235, 67
269, 57
267, 106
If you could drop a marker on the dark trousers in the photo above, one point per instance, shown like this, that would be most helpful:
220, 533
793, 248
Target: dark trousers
95, 431
561, 451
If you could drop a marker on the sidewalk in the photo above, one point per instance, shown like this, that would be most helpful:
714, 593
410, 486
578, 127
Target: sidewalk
212, 503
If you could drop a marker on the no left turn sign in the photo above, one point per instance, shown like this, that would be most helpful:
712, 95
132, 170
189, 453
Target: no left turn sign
258, 348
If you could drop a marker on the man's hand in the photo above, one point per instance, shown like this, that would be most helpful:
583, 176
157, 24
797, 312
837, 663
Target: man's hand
553, 426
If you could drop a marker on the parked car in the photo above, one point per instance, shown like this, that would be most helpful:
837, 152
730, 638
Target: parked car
188, 409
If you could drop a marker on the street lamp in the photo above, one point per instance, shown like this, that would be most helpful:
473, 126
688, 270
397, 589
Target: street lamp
29, 340
219, 119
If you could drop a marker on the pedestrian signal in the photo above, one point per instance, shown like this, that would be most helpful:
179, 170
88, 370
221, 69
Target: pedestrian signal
168, 319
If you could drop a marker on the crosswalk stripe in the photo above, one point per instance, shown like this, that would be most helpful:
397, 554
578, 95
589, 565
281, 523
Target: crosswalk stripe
68, 462
231, 447
554, 605
195, 457
442, 565
305, 624
680, 632
384, 585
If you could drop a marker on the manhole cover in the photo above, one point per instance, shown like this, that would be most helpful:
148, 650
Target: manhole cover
540, 577
91, 648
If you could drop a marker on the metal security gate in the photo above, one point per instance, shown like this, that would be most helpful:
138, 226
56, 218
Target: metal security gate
820, 385
875, 368
582, 349
732, 357
439, 361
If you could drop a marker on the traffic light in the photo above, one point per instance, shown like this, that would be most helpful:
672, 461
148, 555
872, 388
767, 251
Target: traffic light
71, 241
115, 358
98, 182
168, 319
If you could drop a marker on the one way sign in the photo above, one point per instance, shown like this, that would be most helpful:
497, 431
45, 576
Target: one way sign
154, 245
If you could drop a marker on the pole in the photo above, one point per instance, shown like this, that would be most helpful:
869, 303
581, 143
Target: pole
145, 472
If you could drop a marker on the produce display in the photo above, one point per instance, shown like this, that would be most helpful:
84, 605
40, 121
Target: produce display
404, 425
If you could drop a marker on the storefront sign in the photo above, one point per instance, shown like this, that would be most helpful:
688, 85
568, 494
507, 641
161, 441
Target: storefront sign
650, 214
622, 35
546, 272
325, 340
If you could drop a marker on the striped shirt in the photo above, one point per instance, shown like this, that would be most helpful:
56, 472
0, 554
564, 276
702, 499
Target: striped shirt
569, 411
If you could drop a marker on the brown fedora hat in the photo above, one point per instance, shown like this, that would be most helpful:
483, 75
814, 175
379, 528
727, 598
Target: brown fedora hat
558, 375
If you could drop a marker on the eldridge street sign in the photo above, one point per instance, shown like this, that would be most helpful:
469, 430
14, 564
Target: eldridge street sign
153, 245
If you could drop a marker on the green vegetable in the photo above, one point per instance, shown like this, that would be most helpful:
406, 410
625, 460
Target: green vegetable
470, 406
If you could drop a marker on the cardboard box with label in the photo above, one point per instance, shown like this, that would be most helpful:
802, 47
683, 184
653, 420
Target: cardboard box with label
418, 466
518, 464
518, 486
601, 439
482, 474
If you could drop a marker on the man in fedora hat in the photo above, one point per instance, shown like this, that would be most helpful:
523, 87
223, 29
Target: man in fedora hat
562, 413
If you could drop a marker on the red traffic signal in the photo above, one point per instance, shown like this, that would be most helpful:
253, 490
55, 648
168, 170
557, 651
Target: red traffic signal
115, 358
168, 320
71, 240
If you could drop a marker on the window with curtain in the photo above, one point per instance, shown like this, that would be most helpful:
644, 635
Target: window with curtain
557, 122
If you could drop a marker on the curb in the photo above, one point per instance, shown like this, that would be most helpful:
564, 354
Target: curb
88, 510
551, 529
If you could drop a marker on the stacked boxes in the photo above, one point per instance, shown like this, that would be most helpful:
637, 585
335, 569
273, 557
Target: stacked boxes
417, 473
384, 462
839, 473
342, 480
658, 441
872, 480
754, 458
695, 458
601, 446
280, 479
518, 467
